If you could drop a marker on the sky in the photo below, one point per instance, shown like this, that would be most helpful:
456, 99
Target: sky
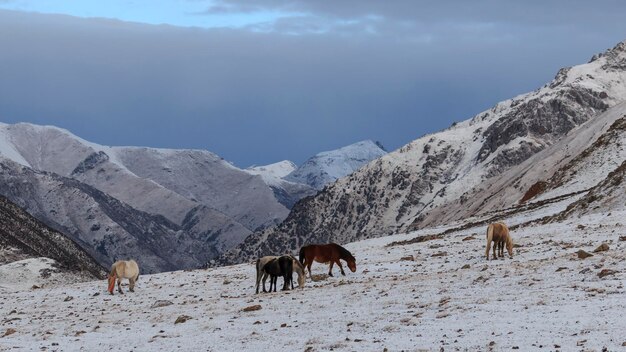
262, 81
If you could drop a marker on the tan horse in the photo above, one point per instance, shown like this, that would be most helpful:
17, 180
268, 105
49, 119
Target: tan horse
298, 268
499, 234
123, 269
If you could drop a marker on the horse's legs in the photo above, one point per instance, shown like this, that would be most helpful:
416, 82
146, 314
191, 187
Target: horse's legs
259, 274
501, 249
275, 282
285, 282
119, 285
308, 266
495, 246
330, 268
131, 284
340, 267
488, 248
265, 275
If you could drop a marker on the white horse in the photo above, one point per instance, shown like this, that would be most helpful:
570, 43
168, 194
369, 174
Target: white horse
298, 268
123, 269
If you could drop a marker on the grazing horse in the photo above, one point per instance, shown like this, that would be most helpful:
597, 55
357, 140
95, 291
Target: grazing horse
499, 234
298, 268
123, 269
326, 253
281, 266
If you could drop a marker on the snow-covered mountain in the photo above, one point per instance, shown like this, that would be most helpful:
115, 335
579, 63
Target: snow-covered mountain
110, 229
275, 170
326, 167
287, 192
32, 253
171, 209
160, 181
482, 165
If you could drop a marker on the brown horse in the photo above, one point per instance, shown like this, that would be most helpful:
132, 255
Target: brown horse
499, 234
326, 253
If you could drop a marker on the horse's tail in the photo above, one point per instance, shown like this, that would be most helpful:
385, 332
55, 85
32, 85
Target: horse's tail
302, 257
489, 238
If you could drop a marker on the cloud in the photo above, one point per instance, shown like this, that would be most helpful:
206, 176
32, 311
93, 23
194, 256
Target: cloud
284, 89
424, 14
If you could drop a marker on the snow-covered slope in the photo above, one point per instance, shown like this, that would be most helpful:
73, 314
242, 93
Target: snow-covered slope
275, 170
38, 272
408, 294
24, 244
287, 192
462, 171
326, 167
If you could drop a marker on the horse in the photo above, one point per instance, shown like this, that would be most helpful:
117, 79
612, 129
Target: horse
123, 269
326, 253
499, 234
298, 268
281, 266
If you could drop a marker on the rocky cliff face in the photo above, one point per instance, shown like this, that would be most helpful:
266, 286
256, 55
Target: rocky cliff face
431, 180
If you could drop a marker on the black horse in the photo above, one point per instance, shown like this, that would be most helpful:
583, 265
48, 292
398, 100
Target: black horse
281, 266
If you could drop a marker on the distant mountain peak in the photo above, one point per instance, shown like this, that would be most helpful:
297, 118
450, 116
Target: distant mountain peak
328, 166
279, 169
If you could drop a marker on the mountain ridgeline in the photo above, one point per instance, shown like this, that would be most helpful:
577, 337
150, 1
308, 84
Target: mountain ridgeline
480, 166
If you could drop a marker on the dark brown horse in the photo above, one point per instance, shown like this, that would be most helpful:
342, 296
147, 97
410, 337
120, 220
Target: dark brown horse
327, 253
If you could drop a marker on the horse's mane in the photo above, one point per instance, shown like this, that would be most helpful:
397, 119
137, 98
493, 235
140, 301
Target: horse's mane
296, 261
344, 252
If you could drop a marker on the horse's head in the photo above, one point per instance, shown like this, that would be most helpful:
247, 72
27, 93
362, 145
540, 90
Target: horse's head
352, 264
301, 278
509, 246
112, 282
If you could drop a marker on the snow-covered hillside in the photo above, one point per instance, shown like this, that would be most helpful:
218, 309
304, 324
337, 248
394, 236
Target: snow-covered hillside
287, 192
276, 170
326, 167
33, 254
426, 290
481, 165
